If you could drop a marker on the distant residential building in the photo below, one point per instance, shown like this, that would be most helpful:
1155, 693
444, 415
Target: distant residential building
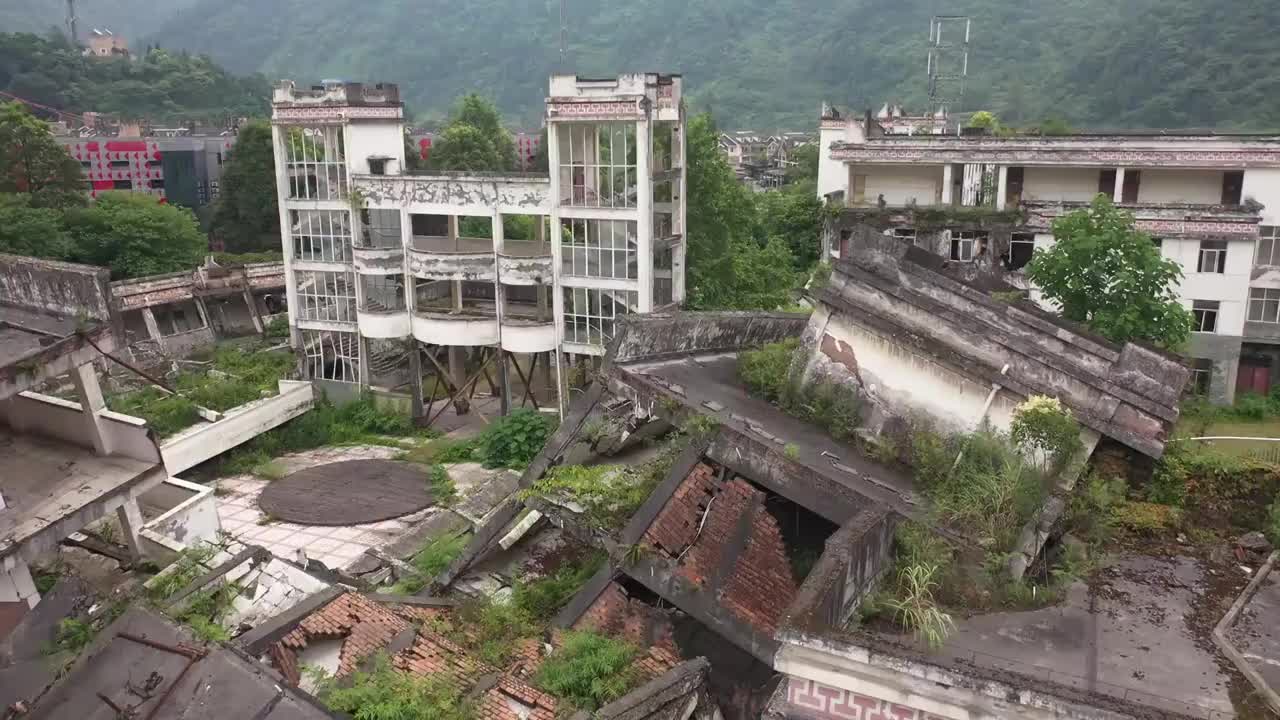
178, 169
1210, 201
106, 44
761, 159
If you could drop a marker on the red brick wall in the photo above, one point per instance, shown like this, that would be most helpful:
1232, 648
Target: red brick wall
616, 615
759, 587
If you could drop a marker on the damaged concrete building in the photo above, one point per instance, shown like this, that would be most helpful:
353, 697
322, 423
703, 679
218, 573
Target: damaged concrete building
393, 276
1210, 201
172, 315
764, 538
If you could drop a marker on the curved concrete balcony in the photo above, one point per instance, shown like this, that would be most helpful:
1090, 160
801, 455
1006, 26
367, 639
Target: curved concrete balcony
384, 324
525, 262
439, 258
455, 329
378, 261
526, 335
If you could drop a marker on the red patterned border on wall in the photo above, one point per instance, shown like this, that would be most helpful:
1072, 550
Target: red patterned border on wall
589, 110
940, 154
336, 113
815, 700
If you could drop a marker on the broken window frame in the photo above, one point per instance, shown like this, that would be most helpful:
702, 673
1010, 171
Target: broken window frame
962, 238
1264, 305
585, 254
380, 229
1018, 239
320, 235
1213, 256
315, 162
332, 355
326, 295
907, 234
1267, 251
586, 181
1201, 377
590, 314
1206, 315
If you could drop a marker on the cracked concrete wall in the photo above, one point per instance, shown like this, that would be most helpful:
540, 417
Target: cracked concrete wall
55, 287
641, 337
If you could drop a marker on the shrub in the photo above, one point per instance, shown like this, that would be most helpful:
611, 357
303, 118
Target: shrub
1042, 425
542, 598
514, 440
385, 693
72, 635
1091, 508
589, 670
1146, 518
766, 371
443, 491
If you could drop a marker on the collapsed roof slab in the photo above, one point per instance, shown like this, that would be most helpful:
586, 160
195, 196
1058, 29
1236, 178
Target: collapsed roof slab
920, 341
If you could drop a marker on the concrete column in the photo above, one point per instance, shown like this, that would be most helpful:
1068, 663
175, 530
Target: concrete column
91, 403
415, 379
499, 302
948, 183
130, 518
16, 583
153, 328
557, 295
279, 143
644, 224
364, 361
682, 215
458, 374
252, 306
200, 308
1002, 187
1118, 195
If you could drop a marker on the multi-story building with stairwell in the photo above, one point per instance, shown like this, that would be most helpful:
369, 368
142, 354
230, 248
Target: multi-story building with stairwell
468, 279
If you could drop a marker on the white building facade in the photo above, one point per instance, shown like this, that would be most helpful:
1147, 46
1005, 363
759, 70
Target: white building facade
1212, 202
504, 279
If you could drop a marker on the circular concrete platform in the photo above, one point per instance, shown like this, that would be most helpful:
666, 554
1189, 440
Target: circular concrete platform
352, 492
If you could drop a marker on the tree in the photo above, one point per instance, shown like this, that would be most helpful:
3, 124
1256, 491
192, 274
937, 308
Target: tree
246, 216
474, 139
27, 230
1103, 272
804, 165
134, 235
728, 267
793, 215
32, 161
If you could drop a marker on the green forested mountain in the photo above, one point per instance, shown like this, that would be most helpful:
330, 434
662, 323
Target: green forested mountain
132, 18
767, 63
161, 85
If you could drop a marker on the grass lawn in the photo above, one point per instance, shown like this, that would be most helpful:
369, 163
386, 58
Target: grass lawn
1269, 428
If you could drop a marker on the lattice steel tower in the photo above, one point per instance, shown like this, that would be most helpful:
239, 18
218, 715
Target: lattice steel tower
948, 61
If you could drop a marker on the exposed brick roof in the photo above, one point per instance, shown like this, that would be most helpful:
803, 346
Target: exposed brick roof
368, 627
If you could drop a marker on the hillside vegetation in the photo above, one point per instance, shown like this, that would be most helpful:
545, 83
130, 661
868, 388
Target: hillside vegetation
770, 63
164, 86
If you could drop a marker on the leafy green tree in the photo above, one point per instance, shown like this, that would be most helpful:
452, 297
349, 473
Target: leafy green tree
134, 235
794, 215
246, 216
728, 267
474, 139
805, 164
32, 161
27, 230
1103, 272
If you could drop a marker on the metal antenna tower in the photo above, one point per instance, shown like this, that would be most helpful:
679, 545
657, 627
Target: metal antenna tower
562, 36
71, 22
948, 61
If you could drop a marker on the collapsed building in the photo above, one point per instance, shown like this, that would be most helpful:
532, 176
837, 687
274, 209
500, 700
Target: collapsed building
766, 536
171, 316
1210, 201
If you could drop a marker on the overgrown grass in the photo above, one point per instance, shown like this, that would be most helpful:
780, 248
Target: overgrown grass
773, 373
190, 564
589, 670
237, 377
443, 492
507, 442
429, 562
358, 422
385, 693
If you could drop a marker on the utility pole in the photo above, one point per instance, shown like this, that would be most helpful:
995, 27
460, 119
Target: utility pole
71, 22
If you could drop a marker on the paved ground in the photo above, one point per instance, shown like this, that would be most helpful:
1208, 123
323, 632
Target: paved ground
1135, 641
336, 547
1256, 633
